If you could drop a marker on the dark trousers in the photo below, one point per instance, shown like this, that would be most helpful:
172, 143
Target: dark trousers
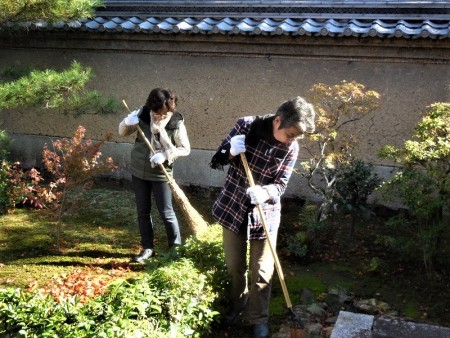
261, 265
163, 197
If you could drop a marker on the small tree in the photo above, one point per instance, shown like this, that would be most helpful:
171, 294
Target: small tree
356, 182
73, 164
336, 106
423, 182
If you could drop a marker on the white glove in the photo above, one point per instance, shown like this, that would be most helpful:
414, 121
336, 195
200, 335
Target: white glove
258, 194
158, 159
237, 145
132, 118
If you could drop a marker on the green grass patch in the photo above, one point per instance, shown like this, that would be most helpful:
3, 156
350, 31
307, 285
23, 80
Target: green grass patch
295, 282
411, 309
101, 232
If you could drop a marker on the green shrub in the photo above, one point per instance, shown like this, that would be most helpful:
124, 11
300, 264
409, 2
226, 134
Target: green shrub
355, 183
177, 299
423, 185
32, 314
5, 144
10, 191
186, 307
300, 242
298, 245
206, 252
16, 185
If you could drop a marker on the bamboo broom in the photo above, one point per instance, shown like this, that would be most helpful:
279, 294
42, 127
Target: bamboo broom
194, 219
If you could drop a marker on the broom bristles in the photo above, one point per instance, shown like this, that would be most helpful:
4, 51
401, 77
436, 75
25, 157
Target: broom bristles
192, 216
298, 333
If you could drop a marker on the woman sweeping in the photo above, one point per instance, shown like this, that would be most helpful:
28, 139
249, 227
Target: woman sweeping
168, 136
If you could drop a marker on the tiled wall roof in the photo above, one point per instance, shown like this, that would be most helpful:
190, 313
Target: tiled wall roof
359, 18
247, 26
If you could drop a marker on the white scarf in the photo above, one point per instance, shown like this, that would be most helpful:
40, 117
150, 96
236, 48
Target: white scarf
163, 142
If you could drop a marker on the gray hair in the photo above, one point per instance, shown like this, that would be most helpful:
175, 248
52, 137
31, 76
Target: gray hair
297, 113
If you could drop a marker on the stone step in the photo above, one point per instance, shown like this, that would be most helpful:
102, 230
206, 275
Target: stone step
357, 325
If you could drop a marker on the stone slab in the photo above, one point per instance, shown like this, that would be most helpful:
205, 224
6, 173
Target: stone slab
356, 325
397, 328
353, 325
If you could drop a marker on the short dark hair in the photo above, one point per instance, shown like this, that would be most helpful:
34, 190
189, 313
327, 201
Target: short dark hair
158, 98
297, 113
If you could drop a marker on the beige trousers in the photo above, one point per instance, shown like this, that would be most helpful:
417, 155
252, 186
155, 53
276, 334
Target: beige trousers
261, 264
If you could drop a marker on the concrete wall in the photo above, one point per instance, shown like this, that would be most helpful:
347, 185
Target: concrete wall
219, 78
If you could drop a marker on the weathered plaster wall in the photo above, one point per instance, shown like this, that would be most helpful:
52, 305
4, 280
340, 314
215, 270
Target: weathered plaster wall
219, 78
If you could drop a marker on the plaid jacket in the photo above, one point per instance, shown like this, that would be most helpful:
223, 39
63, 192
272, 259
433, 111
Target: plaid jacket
271, 163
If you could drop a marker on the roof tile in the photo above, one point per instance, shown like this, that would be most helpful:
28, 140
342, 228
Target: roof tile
248, 26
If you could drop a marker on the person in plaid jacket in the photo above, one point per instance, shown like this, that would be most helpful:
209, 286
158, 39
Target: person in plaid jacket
270, 145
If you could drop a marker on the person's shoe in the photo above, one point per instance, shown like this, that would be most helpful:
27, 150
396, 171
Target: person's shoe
145, 254
261, 331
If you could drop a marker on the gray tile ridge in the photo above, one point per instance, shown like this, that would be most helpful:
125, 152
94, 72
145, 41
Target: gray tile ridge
335, 27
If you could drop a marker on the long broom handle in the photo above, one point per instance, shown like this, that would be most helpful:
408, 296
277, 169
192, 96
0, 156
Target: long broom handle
272, 248
149, 145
